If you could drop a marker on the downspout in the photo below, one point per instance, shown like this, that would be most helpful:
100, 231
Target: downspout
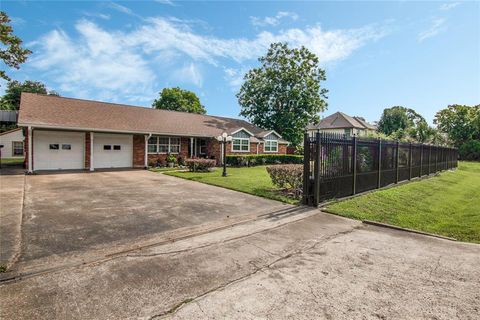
146, 150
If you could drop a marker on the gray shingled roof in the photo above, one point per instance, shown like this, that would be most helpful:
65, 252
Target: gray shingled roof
340, 120
68, 113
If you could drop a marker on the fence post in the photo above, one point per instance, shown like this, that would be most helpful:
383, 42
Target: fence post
410, 161
316, 195
396, 161
379, 163
354, 164
421, 160
306, 168
436, 158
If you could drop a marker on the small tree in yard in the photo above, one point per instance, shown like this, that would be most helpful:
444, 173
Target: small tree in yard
177, 99
284, 93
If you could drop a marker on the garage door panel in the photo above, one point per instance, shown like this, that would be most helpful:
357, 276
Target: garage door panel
58, 150
112, 150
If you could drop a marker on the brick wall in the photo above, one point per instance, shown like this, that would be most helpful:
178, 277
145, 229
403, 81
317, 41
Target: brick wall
138, 151
87, 150
184, 147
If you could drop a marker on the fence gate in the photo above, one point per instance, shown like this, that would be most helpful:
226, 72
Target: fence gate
337, 165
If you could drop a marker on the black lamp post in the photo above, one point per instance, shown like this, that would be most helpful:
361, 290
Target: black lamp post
224, 138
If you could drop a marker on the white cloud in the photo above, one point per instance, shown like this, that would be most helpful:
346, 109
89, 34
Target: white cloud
161, 34
97, 15
115, 65
167, 2
273, 21
448, 6
96, 65
437, 26
121, 8
189, 73
234, 77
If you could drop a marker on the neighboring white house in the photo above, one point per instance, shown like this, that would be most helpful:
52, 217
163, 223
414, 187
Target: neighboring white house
342, 123
12, 142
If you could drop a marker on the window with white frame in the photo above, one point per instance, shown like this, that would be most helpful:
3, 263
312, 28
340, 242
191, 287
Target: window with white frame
164, 145
271, 146
241, 145
17, 148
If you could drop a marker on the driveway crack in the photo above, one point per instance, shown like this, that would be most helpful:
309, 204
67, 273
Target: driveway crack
257, 269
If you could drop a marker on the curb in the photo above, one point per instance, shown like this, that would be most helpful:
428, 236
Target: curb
385, 225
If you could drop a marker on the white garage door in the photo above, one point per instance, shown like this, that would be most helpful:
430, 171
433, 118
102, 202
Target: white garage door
112, 150
53, 150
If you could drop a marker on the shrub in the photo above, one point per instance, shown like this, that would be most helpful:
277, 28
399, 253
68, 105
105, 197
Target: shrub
262, 159
287, 176
200, 165
470, 150
171, 158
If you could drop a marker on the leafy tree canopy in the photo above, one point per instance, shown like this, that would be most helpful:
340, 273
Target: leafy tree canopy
11, 99
460, 122
11, 52
284, 93
179, 100
398, 117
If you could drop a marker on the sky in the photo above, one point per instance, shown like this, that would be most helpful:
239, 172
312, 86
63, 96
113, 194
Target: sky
421, 55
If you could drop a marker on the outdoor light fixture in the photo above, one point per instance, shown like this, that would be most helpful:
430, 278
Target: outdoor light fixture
224, 138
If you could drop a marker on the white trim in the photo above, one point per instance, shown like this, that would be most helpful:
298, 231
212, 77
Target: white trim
61, 128
273, 131
242, 129
222, 152
169, 144
91, 151
241, 145
30, 155
147, 137
265, 144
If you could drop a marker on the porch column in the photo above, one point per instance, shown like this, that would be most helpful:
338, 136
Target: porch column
30, 156
145, 156
91, 151
191, 148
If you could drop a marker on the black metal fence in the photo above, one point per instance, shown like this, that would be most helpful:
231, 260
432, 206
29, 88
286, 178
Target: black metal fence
337, 165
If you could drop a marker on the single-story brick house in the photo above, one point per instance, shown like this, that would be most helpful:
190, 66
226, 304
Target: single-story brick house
67, 133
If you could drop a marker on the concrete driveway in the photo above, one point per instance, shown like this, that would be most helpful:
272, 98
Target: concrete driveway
80, 216
305, 265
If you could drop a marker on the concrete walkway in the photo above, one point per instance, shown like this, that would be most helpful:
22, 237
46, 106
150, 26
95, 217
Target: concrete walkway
300, 264
11, 204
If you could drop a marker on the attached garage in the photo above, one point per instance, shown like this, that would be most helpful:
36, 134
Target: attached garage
112, 150
56, 150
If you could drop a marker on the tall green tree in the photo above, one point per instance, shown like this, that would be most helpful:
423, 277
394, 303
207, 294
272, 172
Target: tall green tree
284, 93
398, 117
460, 122
11, 99
11, 52
179, 100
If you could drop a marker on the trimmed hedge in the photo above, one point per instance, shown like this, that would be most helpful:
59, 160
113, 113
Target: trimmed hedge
263, 159
200, 165
288, 177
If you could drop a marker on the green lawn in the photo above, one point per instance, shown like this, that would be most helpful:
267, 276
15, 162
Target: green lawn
165, 169
253, 180
12, 161
448, 204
